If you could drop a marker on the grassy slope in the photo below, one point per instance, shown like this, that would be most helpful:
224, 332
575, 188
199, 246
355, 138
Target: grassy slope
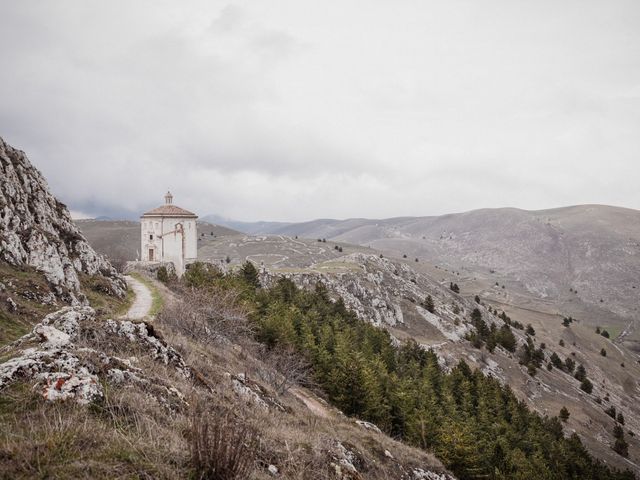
21, 284
132, 435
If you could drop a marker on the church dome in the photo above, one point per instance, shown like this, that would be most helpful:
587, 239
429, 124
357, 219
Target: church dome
169, 210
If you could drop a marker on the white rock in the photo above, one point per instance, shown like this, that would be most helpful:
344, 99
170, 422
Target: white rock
52, 336
37, 230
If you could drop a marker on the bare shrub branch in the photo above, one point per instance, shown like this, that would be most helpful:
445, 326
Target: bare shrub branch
286, 369
209, 316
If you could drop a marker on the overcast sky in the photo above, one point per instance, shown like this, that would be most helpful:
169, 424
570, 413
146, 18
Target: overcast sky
294, 110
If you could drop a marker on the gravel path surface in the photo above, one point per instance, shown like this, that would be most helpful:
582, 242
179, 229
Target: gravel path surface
142, 304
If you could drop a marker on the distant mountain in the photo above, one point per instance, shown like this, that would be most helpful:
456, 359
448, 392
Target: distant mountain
250, 228
593, 250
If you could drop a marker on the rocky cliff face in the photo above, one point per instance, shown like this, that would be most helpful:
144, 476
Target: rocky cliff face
36, 230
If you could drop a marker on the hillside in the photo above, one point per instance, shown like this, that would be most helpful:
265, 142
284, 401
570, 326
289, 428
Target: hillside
390, 293
45, 262
86, 393
582, 260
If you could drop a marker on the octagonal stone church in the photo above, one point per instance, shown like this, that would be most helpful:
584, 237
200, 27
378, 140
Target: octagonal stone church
169, 234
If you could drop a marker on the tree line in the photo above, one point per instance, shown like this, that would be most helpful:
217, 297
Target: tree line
476, 426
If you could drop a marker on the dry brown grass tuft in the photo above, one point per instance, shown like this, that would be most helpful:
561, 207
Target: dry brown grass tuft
222, 447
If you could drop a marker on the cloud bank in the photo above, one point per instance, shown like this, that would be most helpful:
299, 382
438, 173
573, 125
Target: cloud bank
292, 110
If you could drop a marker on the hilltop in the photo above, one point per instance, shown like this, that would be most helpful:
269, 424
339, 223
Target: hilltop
582, 260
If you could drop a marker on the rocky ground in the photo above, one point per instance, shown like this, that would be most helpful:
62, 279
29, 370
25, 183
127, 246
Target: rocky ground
124, 393
390, 293
582, 259
36, 230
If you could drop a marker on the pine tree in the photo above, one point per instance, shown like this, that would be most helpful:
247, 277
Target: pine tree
586, 385
250, 274
620, 446
564, 414
569, 364
428, 304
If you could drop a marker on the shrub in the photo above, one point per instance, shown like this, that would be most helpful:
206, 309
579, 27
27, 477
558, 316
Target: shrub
250, 274
200, 274
287, 368
569, 364
221, 447
555, 360
603, 352
209, 316
586, 386
162, 274
564, 414
428, 304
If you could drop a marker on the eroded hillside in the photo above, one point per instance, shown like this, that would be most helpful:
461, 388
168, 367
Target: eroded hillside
391, 293
45, 262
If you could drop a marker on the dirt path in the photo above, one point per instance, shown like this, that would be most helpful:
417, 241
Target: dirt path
311, 403
142, 304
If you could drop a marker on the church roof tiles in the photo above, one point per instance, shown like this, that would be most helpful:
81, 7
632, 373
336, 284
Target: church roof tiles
169, 210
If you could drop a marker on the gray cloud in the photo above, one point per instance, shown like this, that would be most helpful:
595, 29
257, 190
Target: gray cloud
297, 109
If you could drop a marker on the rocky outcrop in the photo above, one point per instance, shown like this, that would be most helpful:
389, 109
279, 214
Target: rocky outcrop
36, 230
62, 369
378, 290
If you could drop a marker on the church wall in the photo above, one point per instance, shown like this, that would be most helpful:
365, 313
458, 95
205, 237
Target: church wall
160, 235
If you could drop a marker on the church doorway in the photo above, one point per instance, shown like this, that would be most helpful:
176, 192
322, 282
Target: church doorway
151, 254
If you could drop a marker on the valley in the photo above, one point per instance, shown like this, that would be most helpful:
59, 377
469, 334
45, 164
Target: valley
389, 292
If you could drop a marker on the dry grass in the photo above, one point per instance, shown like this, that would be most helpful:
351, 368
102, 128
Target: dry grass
139, 431
222, 447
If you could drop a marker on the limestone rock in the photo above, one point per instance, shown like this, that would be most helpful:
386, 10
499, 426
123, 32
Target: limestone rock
36, 230
62, 370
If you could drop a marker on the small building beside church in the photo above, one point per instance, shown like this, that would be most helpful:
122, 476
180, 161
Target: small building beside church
169, 234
